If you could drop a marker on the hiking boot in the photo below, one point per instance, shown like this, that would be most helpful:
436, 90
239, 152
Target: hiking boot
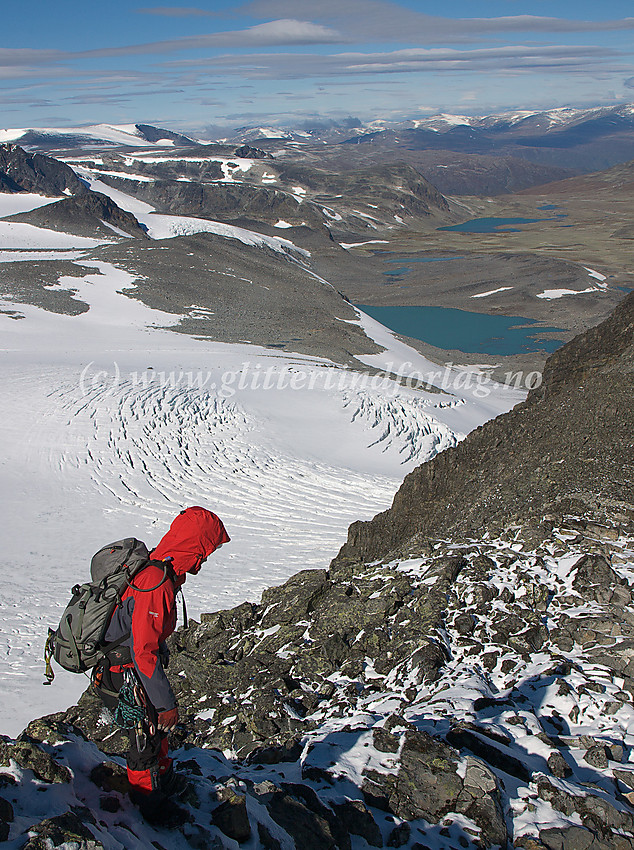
173, 783
159, 810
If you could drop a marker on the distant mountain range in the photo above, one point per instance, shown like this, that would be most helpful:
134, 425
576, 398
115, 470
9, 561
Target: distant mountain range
97, 135
580, 139
586, 140
529, 147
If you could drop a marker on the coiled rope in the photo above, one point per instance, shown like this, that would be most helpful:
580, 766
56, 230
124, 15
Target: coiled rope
129, 714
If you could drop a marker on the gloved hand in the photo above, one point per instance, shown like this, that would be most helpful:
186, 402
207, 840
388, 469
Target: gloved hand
167, 720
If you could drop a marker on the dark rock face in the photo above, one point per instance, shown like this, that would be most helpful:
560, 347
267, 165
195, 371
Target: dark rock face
84, 214
232, 819
428, 785
546, 453
24, 172
356, 819
224, 201
307, 828
155, 134
248, 152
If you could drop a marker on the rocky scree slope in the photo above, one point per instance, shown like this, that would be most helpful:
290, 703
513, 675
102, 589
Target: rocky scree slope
475, 695
568, 447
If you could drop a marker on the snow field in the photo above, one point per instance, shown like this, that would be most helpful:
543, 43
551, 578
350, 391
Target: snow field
12, 204
599, 286
14, 234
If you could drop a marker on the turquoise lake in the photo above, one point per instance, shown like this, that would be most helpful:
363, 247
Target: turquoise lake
497, 225
473, 333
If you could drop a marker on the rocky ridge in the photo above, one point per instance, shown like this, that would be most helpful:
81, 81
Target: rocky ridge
25, 172
478, 695
371, 199
85, 215
567, 448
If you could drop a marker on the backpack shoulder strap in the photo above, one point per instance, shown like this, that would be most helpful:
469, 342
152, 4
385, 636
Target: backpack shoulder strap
168, 573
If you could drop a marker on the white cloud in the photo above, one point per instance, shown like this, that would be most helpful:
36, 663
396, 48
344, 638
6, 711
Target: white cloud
377, 20
287, 31
517, 58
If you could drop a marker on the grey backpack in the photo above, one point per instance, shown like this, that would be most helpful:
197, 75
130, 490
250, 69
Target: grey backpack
78, 643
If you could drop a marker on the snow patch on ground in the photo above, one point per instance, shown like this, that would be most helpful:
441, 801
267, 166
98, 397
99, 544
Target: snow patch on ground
36, 256
552, 294
492, 292
125, 175
169, 226
17, 235
230, 167
596, 275
12, 204
599, 286
360, 244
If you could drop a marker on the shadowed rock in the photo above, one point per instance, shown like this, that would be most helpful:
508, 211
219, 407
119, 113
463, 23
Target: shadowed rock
25, 172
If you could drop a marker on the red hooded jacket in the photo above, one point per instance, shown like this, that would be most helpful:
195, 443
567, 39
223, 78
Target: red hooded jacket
150, 617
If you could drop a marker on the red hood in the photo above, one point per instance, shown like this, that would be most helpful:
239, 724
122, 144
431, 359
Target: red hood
192, 537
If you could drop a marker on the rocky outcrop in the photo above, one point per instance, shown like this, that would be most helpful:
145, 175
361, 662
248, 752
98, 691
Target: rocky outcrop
476, 695
224, 201
24, 172
85, 214
247, 152
566, 446
157, 134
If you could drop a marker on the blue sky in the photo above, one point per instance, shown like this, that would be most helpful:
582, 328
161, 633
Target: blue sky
224, 64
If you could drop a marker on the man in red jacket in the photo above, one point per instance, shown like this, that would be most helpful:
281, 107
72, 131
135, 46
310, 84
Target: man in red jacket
146, 619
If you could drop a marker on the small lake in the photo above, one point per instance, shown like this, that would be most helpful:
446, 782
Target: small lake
497, 225
473, 333
402, 270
